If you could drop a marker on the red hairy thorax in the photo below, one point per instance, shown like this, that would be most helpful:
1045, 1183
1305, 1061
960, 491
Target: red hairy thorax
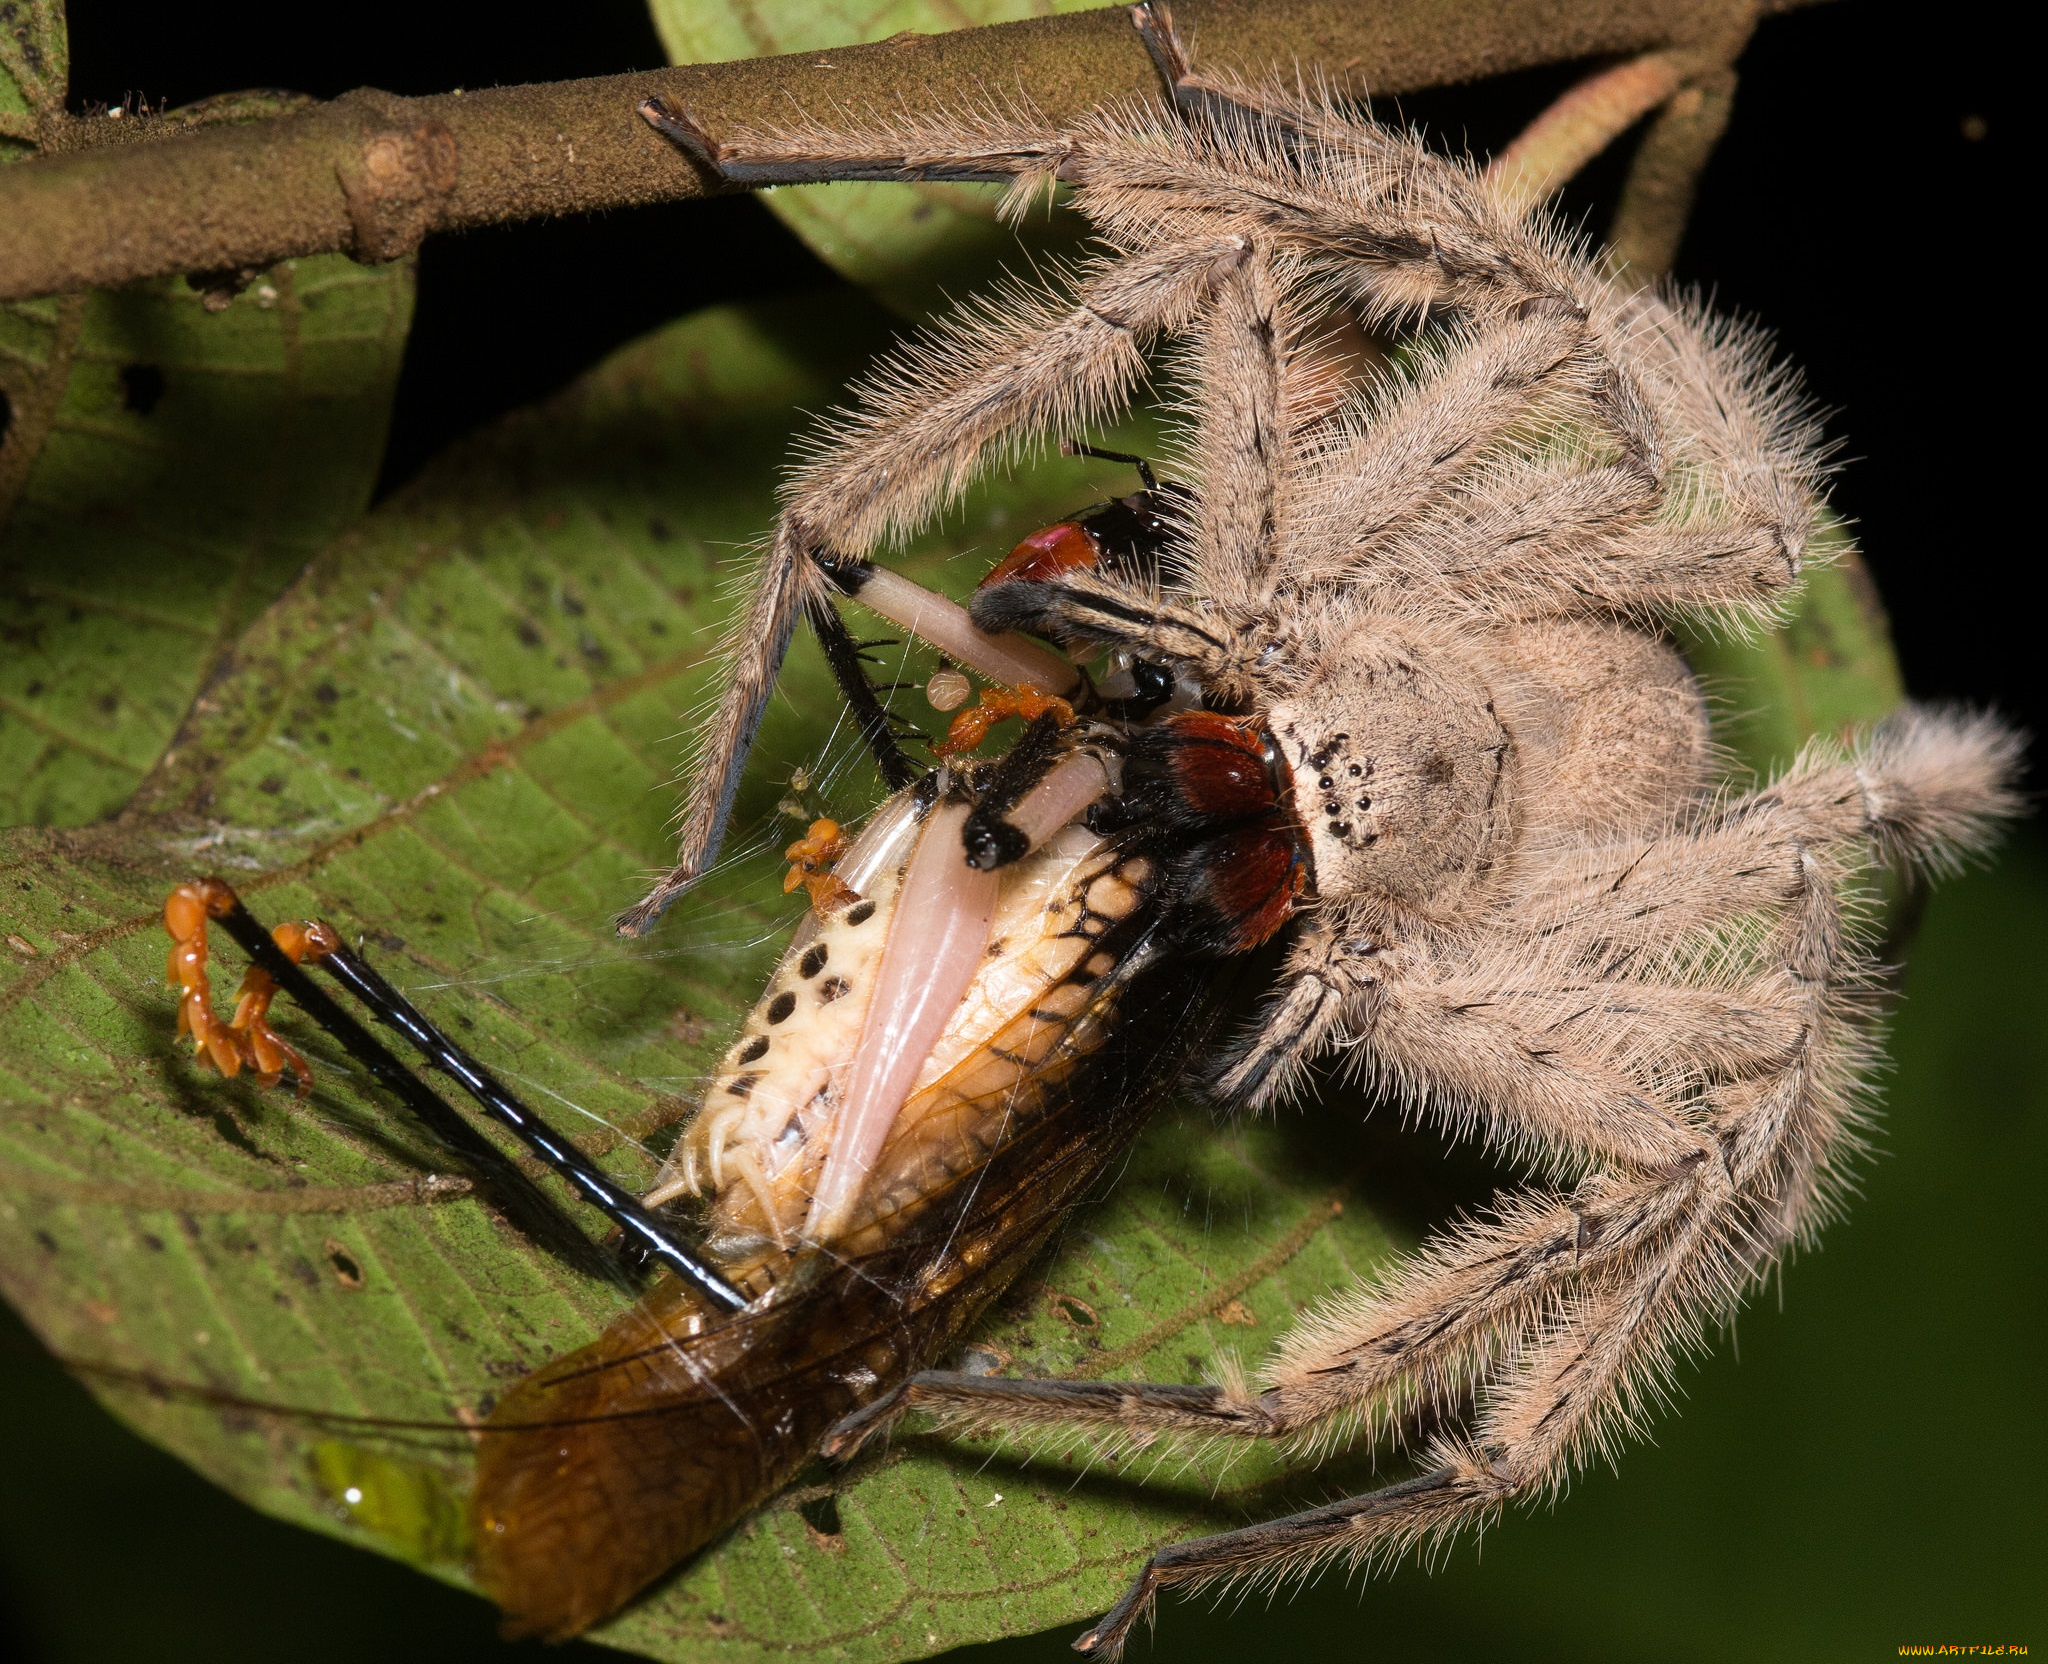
1254, 869
1226, 782
1047, 553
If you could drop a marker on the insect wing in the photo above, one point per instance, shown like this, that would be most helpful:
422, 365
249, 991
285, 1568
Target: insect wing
606, 1467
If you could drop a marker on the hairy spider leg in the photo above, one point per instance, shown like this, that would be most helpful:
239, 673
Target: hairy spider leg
1063, 362
1562, 1313
1728, 1129
1415, 232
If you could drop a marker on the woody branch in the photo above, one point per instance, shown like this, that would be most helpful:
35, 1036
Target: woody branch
108, 200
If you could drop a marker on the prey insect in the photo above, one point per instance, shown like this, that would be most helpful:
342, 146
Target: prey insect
998, 977
1383, 675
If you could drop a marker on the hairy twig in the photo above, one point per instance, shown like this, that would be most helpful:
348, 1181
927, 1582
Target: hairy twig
110, 200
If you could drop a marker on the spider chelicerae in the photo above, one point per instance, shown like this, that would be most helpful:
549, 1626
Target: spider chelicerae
1532, 907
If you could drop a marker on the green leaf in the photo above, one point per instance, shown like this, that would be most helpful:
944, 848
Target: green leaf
454, 734
172, 467
1829, 671
166, 465
911, 246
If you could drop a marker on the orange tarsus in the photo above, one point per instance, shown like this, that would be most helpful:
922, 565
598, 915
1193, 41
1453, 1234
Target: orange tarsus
810, 864
247, 1039
972, 725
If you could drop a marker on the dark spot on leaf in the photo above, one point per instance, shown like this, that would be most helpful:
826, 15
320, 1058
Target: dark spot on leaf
271, 784
47, 1241
527, 632
1068, 1309
781, 1006
347, 1271
107, 703
754, 1050
327, 693
658, 529
153, 1242
142, 387
390, 943
821, 1520
573, 604
813, 962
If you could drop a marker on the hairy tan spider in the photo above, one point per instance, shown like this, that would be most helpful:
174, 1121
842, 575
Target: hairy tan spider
1530, 909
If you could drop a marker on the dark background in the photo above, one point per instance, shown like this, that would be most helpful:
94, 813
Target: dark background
1857, 1478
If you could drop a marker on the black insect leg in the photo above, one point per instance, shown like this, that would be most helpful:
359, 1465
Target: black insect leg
870, 716
643, 1230
525, 1203
1073, 447
991, 840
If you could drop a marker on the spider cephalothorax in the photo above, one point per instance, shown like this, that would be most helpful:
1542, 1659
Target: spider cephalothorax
1421, 711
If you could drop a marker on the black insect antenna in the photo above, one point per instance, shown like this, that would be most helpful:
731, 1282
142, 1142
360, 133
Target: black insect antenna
647, 1236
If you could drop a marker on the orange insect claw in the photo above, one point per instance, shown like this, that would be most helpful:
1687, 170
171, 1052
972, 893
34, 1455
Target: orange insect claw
247, 1040
972, 725
810, 864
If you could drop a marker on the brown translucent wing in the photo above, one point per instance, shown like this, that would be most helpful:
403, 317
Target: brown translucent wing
603, 1469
